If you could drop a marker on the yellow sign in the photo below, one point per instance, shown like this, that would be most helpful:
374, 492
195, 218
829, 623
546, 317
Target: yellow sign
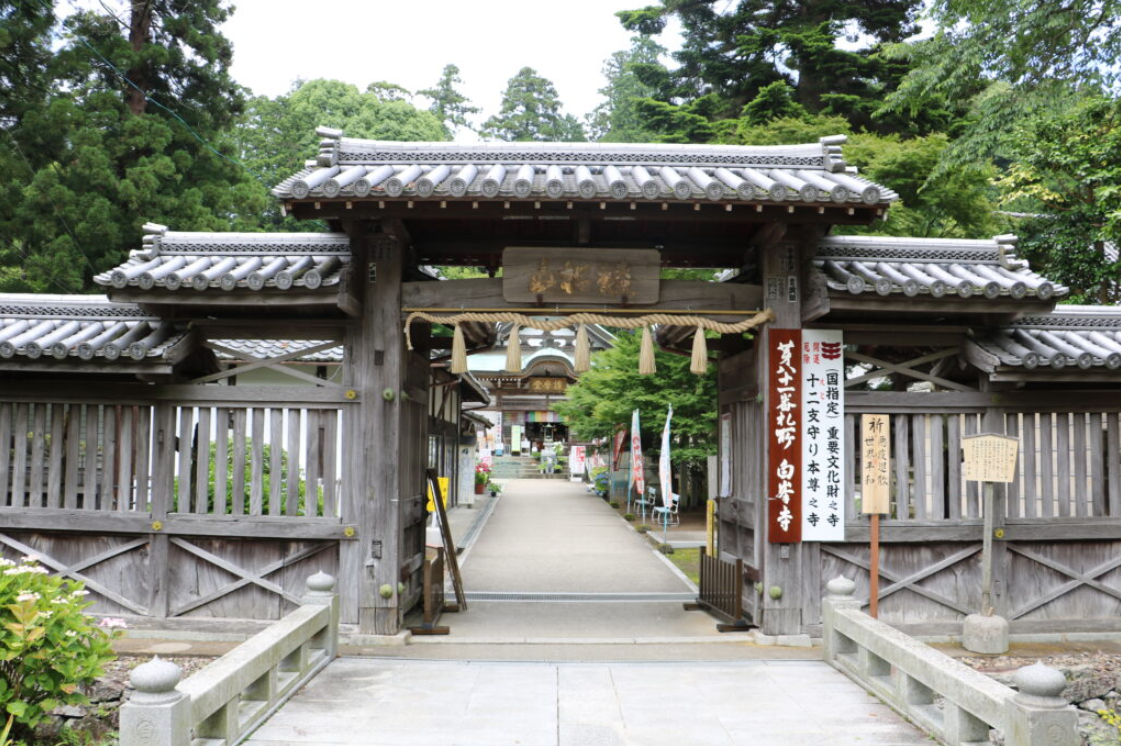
548, 385
875, 462
990, 457
431, 506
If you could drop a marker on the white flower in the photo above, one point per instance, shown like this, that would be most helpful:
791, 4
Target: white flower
27, 596
58, 600
5, 562
46, 614
30, 558
71, 633
17, 571
37, 570
113, 623
79, 593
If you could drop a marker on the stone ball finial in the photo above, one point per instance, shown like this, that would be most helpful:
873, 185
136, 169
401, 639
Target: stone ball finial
321, 582
1040, 686
157, 676
840, 586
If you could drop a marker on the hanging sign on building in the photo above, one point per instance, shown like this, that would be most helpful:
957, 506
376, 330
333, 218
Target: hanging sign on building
549, 275
784, 463
548, 385
823, 426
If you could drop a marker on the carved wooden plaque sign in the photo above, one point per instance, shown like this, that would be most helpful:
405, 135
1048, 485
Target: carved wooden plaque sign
548, 385
875, 464
784, 433
990, 457
592, 276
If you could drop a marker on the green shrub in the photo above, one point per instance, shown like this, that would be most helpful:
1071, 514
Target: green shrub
665, 549
643, 529
49, 649
266, 482
628, 517
614, 504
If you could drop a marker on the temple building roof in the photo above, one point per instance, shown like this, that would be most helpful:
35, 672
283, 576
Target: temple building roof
353, 169
61, 330
1083, 339
186, 261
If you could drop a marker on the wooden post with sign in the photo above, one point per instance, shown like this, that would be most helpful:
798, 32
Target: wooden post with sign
988, 458
875, 490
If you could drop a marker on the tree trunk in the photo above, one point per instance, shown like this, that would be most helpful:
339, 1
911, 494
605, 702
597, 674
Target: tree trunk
139, 35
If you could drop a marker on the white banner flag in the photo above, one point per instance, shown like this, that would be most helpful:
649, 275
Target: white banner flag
823, 445
665, 470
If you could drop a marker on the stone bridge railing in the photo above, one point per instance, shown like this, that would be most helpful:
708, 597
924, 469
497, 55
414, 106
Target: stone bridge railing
944, 697
224, 702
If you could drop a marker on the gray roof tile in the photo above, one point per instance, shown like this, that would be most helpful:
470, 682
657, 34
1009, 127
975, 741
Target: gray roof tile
1078, 337
348, 168
173, 260
930, 267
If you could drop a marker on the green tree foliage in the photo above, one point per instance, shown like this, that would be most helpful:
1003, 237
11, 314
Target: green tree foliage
735, 49
1066, 171
90, 159
531, 110
1009, 60
618, 118
607, 394
452, 108
277, 134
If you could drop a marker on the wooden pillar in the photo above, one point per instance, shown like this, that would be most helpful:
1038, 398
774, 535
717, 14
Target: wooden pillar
782, 563
163, 480
993, 421
379, 349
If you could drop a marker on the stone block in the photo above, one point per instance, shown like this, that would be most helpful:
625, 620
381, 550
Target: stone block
985, 634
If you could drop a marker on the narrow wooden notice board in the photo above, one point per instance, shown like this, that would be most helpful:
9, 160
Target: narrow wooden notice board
875, 461
449, 542
594, 276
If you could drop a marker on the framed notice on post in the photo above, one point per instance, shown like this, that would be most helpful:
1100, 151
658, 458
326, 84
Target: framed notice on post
725, 489
875, 463
990, 457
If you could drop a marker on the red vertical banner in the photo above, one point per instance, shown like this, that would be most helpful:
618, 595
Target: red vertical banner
784, 435
620, 438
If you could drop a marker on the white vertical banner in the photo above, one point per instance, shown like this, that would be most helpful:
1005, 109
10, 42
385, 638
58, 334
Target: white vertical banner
665, 470
823, 435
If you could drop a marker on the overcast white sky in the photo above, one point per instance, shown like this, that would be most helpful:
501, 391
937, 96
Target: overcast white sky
408, 43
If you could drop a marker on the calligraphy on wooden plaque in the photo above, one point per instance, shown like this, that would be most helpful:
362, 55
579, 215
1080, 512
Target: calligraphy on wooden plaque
548, 385
784, 433
595, 276
875, 464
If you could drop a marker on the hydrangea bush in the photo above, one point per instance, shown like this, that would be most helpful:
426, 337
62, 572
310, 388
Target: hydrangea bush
49, 649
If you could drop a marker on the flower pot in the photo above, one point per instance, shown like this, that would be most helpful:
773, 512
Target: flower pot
480, 489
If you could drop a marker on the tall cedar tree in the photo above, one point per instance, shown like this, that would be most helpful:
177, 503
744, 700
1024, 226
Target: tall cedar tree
531, 110
732, 51
95, 157
618, 118
452, 108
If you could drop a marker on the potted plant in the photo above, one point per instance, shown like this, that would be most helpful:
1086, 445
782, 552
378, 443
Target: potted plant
482, 476
494, 488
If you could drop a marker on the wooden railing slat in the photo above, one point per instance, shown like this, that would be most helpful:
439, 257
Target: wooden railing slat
1031, 476
918, 489
937, 467
237, 481
1097, 484
109, 457
1062, 451
276, 455
293, 462
1046, 458
257, 464
202, 463
124, 460
58, 442
221, 460
1113, 428
35, 496
902, 468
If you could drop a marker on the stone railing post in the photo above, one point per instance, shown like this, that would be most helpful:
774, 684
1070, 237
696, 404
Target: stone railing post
321, 590
839, 595
156, 714
1038, 715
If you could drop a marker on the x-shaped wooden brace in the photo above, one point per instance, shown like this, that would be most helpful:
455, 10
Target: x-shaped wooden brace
908, 582
270, 362
1078, 579
75, 571
246, 576
905, 369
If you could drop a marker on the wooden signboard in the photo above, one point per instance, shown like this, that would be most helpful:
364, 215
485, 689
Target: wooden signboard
548, 385
990, 457
593, 276
875, 460
784, 433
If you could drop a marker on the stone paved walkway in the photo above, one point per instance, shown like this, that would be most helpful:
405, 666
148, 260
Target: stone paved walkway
456, 703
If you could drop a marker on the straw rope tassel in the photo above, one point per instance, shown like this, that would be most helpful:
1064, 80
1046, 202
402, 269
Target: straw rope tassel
583, 350
459, 352
646, 366
699, 365
514, 351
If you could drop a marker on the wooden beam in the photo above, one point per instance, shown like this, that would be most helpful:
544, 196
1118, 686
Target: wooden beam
690, 295
1007, 309
113, 393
